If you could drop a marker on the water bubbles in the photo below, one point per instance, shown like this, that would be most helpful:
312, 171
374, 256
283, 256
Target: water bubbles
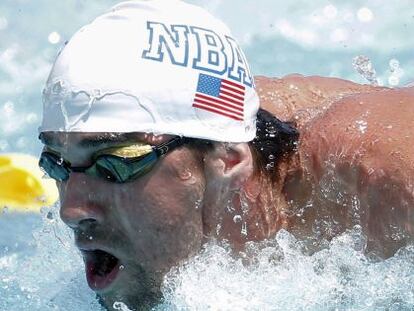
362, 126
45, 174
365, 15
198, 203
57, 87
185, 174
244, 229
54, 37
293, 87
279, 273
396, 72
393, 80
8, 108
237, 219
394, 64
364, 67
118, 305
49, 215
121, 267
218, 229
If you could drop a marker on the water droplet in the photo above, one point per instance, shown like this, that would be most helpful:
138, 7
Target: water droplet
218, 229
198, 203
393, 80
8, 108
45, 174
244, 229
57, 87
363, 66
394, 63
118, 305
54, 37
362, 126
365, 15
186, 174
237, 219
121, 267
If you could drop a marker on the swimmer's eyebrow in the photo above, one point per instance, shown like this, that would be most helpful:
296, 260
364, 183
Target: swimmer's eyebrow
95, 141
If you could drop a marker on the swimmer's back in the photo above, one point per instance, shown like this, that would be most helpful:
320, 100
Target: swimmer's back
363, 145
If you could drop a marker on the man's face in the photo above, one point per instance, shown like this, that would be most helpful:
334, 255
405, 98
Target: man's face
130, 234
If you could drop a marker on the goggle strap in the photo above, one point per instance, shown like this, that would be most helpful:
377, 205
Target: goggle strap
169, 145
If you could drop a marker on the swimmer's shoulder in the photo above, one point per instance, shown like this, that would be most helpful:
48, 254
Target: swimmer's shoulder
298, 98
374, 127
360, 153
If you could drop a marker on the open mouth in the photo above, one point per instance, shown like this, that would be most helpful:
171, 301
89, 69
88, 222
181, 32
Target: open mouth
101, 268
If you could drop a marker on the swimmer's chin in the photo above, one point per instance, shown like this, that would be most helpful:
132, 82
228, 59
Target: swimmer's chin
132, 288
113, 301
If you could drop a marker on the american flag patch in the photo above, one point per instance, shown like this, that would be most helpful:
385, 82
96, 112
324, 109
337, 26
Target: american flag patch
220, 96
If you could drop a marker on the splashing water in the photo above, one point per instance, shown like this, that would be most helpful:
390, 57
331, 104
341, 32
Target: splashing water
276, 274
364, 67
279, 276
396, 72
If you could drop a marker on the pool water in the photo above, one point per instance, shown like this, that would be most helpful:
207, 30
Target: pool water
364, 41
45, 272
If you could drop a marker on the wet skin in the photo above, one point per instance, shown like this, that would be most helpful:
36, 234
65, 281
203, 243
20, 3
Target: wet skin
152, 223
149, 224
164, 217
355, 160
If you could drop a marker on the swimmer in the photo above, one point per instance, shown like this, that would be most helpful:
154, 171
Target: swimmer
154, 134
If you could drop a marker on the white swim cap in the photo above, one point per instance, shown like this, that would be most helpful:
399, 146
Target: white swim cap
158, 66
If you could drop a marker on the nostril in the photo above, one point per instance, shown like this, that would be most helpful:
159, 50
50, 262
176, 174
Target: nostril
80, 216
86, 224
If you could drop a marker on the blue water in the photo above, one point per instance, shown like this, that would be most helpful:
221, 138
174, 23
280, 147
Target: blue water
41, 270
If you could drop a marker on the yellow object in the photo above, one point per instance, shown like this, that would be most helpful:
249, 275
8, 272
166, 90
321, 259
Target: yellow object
22, 186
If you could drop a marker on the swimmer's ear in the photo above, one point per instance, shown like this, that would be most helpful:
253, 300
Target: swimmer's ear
230, 164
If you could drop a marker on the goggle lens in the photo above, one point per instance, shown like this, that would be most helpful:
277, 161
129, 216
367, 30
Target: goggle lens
121, 170
114, 168
54, 166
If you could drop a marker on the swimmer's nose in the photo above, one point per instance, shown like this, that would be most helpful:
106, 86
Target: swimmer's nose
78, 207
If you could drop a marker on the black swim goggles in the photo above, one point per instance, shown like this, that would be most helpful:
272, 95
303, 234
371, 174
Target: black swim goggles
119, 165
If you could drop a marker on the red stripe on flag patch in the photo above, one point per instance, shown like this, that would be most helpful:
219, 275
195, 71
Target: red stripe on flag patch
209, 108
220, 107
239, 86
220, 96
225, 103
